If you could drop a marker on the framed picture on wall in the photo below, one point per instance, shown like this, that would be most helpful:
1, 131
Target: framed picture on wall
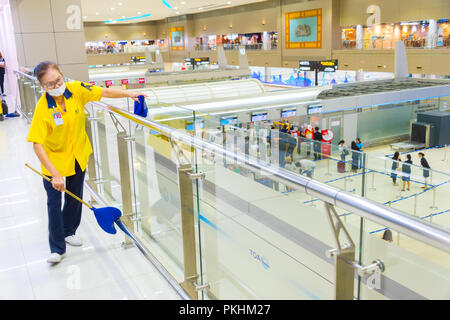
177, 38
304, 29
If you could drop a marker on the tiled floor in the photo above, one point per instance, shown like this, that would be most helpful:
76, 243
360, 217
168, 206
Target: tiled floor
101, 269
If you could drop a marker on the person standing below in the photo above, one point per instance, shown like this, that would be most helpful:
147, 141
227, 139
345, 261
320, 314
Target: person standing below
360, 146
60, 142
2, 73
406, 170
292, 144
395, 165
343, 152
307, 167
355, 156
426, 169
317, 146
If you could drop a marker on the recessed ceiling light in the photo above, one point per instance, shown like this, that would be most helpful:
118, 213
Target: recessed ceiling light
120, 3
177, 12
229, 2
113, 8
176, 8
200, 8
123, 17
139, 12
97, 13
182, 2
84, 17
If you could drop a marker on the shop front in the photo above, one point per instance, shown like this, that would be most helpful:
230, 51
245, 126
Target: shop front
415, 34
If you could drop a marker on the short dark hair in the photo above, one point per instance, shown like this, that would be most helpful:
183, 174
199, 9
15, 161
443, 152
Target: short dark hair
316, 128
41, 69
421, 153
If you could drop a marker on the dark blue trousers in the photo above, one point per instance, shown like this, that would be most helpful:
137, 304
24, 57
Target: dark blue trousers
64, 221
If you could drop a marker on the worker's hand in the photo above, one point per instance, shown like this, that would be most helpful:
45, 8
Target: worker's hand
58, 183
135, 95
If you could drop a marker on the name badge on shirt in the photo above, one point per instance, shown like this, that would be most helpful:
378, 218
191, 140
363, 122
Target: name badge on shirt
57, 117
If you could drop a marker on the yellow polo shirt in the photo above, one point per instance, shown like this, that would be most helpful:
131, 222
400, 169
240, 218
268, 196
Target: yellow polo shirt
68, 141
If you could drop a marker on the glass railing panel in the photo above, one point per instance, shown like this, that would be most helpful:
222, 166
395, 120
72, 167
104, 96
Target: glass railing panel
262, 240
156, 159
413, 270
260, 244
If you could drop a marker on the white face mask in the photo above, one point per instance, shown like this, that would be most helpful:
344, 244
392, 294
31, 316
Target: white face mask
58, 91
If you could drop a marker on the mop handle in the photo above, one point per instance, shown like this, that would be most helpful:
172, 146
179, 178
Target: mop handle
65, 190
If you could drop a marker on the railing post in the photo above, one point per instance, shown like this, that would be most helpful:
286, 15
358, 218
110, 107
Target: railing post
188, 230
92, 171
344, 273
105, 173
125, 182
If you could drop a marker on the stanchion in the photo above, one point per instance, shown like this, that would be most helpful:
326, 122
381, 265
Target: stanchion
445, 153
311, 203
373, 182
434, 199
415, 205
328, 167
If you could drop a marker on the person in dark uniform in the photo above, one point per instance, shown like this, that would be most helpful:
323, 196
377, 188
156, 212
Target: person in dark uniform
406, 169
426, 168
355, 156
394, 167
2, 73
317, 146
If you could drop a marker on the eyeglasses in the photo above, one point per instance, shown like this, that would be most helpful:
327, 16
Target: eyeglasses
53, 84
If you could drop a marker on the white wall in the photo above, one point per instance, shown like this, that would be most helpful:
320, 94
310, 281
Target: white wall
9, 52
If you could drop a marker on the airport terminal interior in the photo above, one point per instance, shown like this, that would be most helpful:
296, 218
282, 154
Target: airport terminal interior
252, 149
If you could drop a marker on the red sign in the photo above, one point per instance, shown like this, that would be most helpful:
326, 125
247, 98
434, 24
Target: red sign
93, 83
124, 81
141, 80
108, 83
327, 135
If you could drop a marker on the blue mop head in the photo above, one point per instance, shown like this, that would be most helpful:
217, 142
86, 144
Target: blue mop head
106, 217
140, 108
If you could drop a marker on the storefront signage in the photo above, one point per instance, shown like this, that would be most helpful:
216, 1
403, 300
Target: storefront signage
108, 83
125, 81
141, 80
93, 83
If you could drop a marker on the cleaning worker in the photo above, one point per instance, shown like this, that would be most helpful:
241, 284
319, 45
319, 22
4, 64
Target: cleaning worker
60, 142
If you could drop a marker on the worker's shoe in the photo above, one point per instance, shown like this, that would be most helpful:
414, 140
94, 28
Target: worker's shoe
74, 241
2, 117
55, 257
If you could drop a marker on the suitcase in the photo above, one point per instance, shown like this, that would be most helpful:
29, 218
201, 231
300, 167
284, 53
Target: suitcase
341, 167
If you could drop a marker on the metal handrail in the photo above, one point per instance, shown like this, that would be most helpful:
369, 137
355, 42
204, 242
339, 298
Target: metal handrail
436, 236
25, 75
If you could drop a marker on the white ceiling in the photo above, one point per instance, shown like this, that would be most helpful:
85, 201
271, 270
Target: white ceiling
103, 10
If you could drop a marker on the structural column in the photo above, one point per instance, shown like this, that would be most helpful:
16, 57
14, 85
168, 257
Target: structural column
50, 30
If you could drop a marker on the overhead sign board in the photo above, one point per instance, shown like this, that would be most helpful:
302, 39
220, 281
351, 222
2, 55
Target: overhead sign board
323, 65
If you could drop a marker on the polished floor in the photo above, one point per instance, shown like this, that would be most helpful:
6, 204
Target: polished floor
101, 269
